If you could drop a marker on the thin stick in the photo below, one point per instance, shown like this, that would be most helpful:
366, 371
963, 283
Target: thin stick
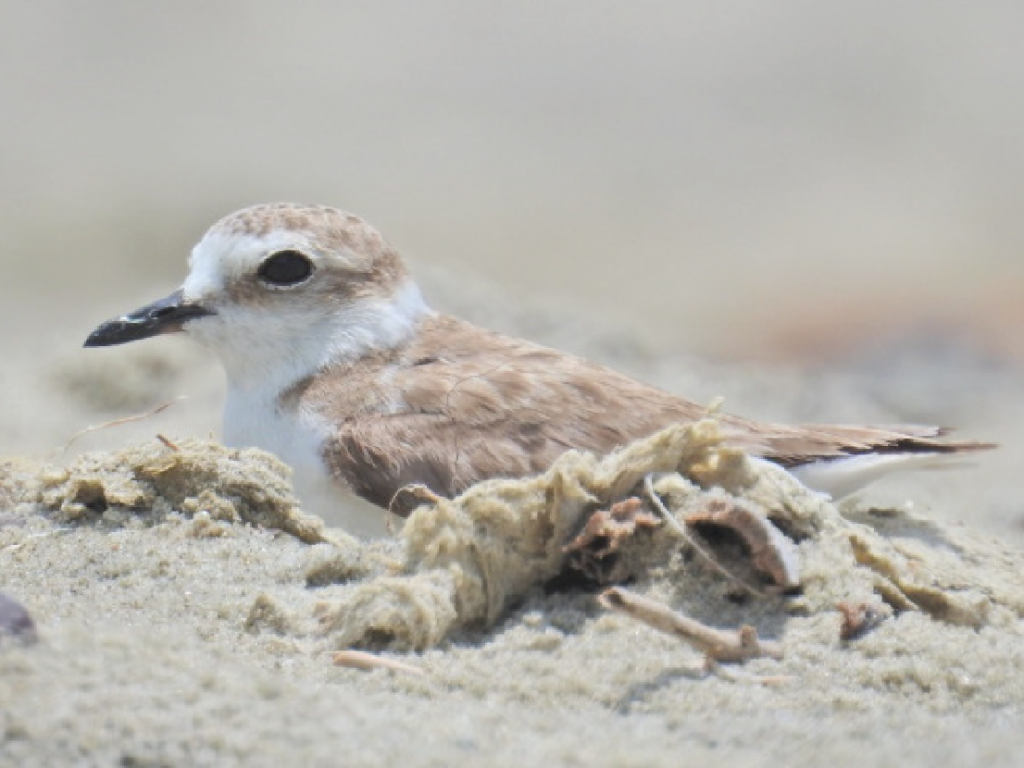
119, 422
168, 442
364, 660
679, 528
717, 644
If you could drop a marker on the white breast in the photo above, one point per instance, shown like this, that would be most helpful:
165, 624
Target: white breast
251, 419
264, 353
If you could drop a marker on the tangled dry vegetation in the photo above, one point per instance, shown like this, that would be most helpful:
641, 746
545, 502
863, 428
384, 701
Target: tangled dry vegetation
674, 512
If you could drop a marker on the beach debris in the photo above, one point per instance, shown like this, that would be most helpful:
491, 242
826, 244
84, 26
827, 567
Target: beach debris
467, 559
908, 582
593, 550
719, 645
124, 420
858, 619
168, 442
406, 499
15, 621
459, 564
680, 529
153, 480
364, 660
410, 496
771, 551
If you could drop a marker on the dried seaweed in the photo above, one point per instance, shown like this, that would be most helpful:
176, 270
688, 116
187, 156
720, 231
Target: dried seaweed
460, 563
594, 549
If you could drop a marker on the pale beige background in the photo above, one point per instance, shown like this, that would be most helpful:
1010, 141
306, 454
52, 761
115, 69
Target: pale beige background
811, 209
739, 178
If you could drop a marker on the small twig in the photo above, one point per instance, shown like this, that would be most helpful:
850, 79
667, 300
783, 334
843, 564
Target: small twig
119, 422
679, 528
364, 660
716, 644
168, 442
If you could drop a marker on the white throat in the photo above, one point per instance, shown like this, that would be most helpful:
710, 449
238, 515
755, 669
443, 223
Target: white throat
264, 356
266, 352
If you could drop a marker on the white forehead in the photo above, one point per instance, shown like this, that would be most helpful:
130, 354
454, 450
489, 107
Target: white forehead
221, 257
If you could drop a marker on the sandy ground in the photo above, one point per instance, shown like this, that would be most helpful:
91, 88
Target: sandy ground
153, 651
810, 210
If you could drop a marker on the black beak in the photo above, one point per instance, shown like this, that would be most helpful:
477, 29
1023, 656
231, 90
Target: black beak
164, 316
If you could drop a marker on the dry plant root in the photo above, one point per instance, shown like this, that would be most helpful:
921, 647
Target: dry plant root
717, 644
606, 530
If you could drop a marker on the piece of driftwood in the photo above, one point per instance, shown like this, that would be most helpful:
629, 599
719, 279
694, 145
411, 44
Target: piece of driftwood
717, 644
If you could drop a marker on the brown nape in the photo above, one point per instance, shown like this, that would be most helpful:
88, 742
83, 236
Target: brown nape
377, 276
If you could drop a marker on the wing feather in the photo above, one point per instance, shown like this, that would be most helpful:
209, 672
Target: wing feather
463, 405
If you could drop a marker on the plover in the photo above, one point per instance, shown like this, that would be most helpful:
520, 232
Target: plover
336, 364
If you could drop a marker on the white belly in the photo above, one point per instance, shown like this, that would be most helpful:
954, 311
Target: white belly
253, 421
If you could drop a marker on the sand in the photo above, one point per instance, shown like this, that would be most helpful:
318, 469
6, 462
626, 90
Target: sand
187, 610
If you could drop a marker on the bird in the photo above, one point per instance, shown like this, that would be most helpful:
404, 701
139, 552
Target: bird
335, 363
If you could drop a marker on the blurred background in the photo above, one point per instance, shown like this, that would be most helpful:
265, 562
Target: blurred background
682, 185
758, 178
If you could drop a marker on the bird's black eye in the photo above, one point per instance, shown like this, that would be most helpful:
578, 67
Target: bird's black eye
285, 268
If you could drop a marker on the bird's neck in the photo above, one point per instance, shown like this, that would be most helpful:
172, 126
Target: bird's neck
271, 359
